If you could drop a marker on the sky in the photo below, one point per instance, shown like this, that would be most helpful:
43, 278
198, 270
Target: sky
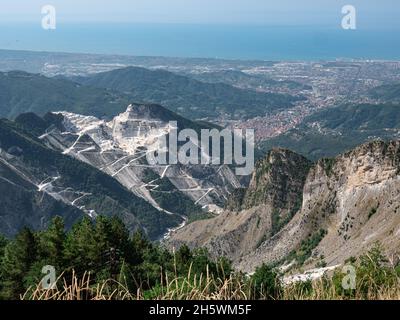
370, 13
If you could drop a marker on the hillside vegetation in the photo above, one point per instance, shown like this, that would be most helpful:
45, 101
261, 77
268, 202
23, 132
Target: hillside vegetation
189, 97
97, 261
329, 132
22, 92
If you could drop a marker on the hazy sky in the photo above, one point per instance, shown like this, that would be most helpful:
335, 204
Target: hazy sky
379, 13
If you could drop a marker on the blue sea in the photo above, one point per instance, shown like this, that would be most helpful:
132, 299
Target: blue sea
211, 41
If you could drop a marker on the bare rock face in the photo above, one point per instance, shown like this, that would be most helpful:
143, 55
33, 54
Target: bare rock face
255, 214
278, 180
118, 148
367, 193
354, 199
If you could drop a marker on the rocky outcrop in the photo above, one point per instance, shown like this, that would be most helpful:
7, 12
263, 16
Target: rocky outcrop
119, 148
351, 202
255, 214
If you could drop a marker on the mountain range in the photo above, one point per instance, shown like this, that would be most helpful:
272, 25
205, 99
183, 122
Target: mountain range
321, 193
91, 166
105, 95
298, 214
189, 97
245, 80
22, 92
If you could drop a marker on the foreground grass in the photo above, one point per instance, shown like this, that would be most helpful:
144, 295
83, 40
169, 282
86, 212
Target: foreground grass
206, 289
376, 279
192, 287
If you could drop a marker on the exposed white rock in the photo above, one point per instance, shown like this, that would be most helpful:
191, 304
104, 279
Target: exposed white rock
309, 275
119, 148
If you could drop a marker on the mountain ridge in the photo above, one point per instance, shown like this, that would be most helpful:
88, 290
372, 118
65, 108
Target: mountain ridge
70, 182
347, 204
26, 92
118, 148
189, 97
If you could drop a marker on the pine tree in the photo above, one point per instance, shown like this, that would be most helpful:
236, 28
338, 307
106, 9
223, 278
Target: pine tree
115, 245
183, 258
51, 243
81, 250
19, 255
3, 244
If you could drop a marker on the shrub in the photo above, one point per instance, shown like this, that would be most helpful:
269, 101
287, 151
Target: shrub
266, 283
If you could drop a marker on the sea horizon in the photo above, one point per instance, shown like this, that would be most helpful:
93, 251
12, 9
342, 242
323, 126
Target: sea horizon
232, 42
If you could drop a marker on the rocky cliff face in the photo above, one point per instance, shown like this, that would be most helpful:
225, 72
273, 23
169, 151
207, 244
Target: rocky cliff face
255, 214
119, 149
347, 204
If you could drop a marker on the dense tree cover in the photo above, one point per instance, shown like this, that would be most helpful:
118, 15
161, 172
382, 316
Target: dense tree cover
107, 250
107, 94
387, 92
22, 92
245, 80
104, 248
189, 97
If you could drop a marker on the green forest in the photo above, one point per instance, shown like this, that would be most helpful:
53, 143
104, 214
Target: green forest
106, 250
102, 260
